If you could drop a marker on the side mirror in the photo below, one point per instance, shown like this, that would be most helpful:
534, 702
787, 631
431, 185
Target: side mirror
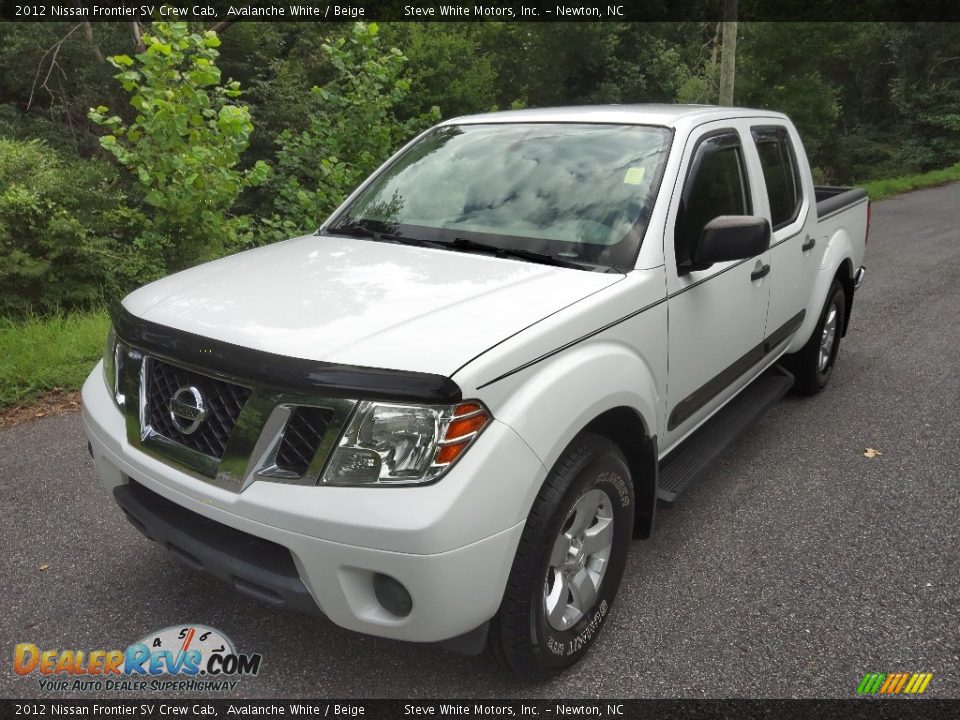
731, 237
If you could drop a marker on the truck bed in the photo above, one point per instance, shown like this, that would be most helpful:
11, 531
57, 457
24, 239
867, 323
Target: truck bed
832, 199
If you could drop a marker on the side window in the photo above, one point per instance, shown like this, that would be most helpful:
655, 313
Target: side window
716, 185
780, 174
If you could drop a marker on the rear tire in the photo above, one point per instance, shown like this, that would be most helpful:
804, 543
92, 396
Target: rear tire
569, 561
813, 364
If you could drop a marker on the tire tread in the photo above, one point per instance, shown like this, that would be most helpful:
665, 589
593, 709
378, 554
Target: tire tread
508, 639
803, 363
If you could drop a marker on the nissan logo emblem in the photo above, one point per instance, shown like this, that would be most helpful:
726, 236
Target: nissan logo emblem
187, 410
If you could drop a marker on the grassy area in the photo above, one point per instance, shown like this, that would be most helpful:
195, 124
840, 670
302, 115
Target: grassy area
43, 353
880, 189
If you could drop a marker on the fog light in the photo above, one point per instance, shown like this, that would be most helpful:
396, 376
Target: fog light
392, 595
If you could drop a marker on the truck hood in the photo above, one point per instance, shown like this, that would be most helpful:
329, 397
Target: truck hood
359, 302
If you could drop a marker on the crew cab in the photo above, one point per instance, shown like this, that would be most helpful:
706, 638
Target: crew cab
445, 415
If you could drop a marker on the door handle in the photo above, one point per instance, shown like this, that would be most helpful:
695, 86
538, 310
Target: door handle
760, 272
808, 244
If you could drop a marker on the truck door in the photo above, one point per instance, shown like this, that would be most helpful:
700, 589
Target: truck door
795, 251
716, 315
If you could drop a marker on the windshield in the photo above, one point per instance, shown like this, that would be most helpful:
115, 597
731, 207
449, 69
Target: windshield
573, 192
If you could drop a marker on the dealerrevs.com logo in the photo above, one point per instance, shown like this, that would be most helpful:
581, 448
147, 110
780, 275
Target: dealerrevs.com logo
180, 657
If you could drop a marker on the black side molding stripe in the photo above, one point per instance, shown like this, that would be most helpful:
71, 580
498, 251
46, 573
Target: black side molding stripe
572, 343
713, 387
281, 372
545, 317
784, 331
737, 264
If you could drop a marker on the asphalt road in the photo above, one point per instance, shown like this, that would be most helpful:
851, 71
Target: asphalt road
795, 568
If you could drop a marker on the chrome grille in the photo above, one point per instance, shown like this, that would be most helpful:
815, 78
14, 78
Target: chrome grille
301, 438
223, 402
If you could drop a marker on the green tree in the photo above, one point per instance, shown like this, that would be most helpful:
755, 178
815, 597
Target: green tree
183, 146
782, 66
61, 224
448, 67
50, 75
353, 126
925, 91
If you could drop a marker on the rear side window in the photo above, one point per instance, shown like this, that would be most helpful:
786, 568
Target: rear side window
780, 174
716, 185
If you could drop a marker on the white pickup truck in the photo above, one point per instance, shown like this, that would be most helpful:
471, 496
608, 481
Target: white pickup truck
444, 416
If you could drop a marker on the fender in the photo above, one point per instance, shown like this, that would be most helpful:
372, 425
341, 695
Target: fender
839, 250
560, 397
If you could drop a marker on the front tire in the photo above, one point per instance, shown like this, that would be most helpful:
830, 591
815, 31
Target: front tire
569, 562
813, 364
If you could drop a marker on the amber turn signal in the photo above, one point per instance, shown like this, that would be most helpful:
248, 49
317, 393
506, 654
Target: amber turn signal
469, 419
448, 453
465, 426
467, 408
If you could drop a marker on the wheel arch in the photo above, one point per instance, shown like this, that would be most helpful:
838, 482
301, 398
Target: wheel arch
626, 428
837, 264
604, 387
844, 276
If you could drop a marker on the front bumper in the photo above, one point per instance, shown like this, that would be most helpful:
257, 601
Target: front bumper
257, 568
450, 544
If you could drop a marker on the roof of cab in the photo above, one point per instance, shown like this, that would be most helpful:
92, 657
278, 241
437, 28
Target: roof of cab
647, 114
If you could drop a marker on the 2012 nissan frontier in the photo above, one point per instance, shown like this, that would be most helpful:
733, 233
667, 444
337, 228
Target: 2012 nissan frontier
443, 416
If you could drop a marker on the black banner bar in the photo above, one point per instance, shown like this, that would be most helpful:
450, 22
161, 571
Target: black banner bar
503, 10
198, 709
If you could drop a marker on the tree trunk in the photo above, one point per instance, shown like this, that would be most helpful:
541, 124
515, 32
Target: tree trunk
137, 37
712, 74
728, 58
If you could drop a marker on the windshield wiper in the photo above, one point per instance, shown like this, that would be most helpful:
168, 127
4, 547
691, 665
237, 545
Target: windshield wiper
358, 230
355, 229
462, 243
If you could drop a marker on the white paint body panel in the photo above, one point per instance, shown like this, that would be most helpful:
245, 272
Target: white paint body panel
446, 542
546, 349
719, 313
359, 302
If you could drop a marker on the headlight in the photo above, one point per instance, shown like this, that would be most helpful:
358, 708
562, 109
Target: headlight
391, 444
111, 367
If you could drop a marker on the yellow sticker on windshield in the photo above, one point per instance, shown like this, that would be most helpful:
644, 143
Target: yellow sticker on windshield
634, 176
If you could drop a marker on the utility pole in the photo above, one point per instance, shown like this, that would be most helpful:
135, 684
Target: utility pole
728, 58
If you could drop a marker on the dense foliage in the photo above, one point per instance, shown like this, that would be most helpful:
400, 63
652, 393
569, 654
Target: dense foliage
352, 124
183, 146
61, 227
176, 171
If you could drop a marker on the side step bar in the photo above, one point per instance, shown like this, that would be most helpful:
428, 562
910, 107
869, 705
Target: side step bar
695, 455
